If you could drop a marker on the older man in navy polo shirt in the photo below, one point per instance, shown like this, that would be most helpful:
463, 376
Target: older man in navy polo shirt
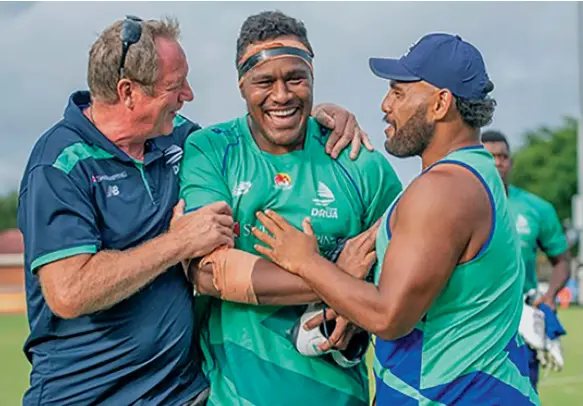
110, 312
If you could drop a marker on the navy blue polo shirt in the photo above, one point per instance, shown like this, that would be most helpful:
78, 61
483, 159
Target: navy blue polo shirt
81, 194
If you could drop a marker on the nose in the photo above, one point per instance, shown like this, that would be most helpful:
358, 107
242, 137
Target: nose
386, 104
498, 161
187, 94
280, 92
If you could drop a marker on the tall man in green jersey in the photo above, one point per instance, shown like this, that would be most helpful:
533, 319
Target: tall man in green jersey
538, 226
448, 296
275, 158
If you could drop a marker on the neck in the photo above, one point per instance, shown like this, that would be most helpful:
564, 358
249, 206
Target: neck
266, 145
115, 125
447, 141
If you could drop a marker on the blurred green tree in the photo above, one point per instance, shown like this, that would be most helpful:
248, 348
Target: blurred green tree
546, 165
8, 208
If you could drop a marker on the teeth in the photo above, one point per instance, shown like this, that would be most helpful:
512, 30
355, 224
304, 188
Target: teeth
282, 113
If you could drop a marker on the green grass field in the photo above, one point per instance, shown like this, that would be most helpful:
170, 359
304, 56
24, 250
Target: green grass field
556, 389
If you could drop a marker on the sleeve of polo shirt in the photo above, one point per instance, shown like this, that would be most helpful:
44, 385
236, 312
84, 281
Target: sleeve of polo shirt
201, 179
552, 239
60, 218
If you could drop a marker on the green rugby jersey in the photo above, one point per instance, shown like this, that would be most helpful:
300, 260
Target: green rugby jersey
538, 226
253, 359
466, 349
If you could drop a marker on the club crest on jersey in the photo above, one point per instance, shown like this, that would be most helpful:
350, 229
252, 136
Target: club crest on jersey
282, 181
324, 199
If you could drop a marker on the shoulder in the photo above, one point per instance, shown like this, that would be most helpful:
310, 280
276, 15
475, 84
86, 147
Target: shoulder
366, 162
447, 191
215, 137
533, 201
183, 127
61, 147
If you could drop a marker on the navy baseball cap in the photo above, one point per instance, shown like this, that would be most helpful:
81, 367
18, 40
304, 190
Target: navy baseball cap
445, 61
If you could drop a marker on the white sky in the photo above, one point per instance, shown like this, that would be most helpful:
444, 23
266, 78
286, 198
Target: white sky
530, 51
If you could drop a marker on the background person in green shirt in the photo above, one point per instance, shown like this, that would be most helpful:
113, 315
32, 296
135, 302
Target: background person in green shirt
538, 226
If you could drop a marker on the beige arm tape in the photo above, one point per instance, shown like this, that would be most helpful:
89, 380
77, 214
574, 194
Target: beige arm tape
232, 270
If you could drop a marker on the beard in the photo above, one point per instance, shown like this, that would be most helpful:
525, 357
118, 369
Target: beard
412, 139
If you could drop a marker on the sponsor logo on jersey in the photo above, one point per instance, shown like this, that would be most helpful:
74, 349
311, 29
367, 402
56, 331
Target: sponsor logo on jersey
324, 199
241, 188
324, 241
522, 225
282, 181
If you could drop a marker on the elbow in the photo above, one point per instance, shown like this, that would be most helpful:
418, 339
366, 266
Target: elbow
391, 327
63, 290
63, 305
391, 333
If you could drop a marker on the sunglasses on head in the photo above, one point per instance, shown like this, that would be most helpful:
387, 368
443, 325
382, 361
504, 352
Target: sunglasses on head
131, 32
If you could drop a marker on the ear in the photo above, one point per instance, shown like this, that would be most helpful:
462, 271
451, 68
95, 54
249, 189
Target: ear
125, 92
242, 90
443, 100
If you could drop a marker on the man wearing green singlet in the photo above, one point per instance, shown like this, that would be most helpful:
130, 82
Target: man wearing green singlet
274, 158
447, 298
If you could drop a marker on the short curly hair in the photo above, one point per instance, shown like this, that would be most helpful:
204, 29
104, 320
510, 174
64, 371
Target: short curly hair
477, 113
269, 25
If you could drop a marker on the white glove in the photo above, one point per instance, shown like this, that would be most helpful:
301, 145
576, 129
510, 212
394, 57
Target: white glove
307, 341
554, 355
532, 327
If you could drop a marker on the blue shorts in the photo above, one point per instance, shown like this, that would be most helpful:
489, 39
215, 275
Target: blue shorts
533, 367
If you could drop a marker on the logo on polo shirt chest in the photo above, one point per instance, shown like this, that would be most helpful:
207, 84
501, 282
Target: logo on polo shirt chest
115, 176
173, 154
112, 190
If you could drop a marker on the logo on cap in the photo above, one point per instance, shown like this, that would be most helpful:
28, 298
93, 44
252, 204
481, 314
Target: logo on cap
410, 48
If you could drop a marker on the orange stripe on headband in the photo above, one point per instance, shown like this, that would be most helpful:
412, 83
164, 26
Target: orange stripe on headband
253, 50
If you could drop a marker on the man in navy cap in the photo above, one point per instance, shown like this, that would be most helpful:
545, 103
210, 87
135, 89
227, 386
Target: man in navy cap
447, 297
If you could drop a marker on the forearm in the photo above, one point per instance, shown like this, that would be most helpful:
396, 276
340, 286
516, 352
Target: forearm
271, 284
559, 277
360, 302
109, 277
275, 286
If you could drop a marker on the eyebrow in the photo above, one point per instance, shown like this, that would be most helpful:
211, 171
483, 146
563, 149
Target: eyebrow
395, 85
291, 73
261, 77
296, 71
